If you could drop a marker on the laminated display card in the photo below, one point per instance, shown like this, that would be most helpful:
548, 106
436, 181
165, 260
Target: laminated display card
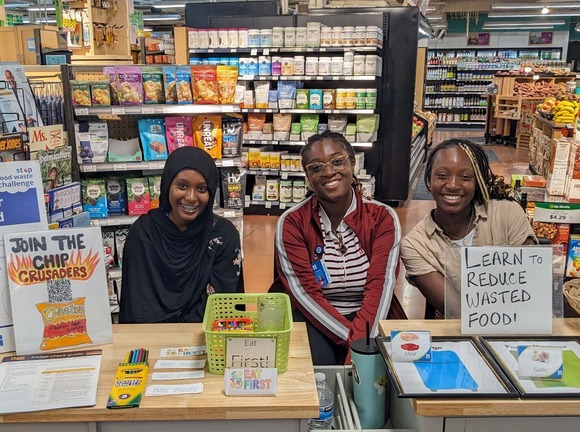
459, 368
21, 209
58, 289
555, 359
411, 346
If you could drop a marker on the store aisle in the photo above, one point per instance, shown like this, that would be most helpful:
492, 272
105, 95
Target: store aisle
259, 230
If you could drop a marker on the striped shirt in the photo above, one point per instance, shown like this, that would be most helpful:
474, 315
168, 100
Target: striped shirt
347, 271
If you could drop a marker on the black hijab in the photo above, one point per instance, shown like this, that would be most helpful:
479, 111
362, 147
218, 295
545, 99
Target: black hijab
166, 270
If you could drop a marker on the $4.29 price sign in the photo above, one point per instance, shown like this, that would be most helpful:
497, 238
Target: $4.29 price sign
557, 212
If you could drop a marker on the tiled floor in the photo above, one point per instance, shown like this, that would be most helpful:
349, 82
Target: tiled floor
259, 230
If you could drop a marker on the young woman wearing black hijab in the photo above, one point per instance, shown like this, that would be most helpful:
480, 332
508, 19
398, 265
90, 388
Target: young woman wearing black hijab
179, 254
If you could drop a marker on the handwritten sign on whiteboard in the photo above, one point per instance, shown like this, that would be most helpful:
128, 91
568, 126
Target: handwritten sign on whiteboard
506, 290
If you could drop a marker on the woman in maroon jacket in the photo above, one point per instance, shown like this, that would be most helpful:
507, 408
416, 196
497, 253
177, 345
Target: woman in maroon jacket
337, 253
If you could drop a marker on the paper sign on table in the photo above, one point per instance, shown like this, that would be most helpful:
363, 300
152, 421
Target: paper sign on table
169, 390
411, 346
162, 376
250, 382
183, 351
540, 362
180, 364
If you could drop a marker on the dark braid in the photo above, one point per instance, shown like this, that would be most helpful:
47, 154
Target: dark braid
337, 138
488, 185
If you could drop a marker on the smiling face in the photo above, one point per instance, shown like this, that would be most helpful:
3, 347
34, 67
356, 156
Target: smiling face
452, 180
330, 185
188, 197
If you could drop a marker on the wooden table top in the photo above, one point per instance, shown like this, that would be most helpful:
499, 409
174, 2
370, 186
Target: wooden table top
463, 407
296, 397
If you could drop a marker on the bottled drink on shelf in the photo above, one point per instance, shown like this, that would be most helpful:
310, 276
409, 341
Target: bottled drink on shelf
326, 404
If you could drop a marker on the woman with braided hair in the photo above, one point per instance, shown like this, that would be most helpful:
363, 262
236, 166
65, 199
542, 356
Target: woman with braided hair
474, 207
337, 253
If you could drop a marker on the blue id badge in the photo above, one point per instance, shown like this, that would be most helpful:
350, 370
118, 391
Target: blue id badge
320, 272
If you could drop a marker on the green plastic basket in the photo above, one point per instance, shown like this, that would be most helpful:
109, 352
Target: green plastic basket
220, 306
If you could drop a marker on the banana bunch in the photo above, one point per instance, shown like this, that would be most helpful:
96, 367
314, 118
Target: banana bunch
565, 112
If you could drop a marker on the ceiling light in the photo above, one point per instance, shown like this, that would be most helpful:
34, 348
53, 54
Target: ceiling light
528, 15
524, 27
162, 17
518, 23
169, 5
42, 8
17, 5
545, 10
508, 6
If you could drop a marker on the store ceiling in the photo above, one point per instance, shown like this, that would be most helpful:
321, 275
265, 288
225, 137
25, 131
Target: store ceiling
439, 11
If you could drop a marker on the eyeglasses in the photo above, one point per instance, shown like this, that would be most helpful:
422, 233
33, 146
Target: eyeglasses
316, 169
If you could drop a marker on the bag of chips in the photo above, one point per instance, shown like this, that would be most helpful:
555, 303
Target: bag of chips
205, 89
207, 134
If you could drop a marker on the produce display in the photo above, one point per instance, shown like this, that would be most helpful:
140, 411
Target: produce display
539, 89
560, 111
417, 127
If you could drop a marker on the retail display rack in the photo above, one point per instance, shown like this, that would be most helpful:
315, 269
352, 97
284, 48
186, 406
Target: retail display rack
388, 157
456, 80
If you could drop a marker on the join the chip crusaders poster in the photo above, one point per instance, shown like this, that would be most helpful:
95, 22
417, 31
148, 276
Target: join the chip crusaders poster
58, 289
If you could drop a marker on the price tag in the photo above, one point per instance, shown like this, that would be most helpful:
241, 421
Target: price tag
268, 204
282, 206
527, 69
147, 110
118, 111
247, 77
167, 110
120, 167
227, 108
266, 51
567, 69
247, 201
319, 78
309, 49
234, 50
210, 50
89, 168
253, 51
227, 162
557, 213
536, 77
284, 175
82, 111
229, 214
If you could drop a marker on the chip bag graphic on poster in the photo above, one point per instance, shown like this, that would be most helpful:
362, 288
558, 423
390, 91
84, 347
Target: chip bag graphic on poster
58, 289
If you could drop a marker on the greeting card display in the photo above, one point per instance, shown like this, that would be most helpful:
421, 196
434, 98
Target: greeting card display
58, 289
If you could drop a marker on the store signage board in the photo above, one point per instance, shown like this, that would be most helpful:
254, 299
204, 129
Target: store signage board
506, 290
21, 209
557, 212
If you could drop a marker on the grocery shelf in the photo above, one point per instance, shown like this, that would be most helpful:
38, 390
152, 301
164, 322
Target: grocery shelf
119, 220
114, 220
267, 50
283, 174
462, 123
455, 92
295, 143
328, 111
452, 108
307, 78
270, 204
156, 109
147, 165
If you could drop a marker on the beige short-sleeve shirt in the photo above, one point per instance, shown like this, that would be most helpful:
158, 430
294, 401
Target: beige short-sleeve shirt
497, 222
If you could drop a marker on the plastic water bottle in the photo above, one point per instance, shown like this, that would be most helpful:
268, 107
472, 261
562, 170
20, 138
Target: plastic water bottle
326, 402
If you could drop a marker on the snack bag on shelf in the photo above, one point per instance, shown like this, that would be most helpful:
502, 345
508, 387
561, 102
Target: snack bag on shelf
81, 93
129, 87
94, 198
152, 135
153, 92
207, 131
227, 79
183, 79
170, 83
179, 132
154, 191
233, 188
205, 84
116, 195
100, 93
110, 72
232, 136
138, 196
